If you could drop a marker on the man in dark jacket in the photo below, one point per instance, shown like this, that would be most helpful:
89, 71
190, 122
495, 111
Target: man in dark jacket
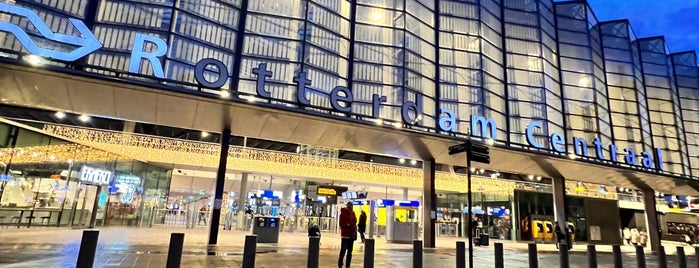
361, 226
348, 232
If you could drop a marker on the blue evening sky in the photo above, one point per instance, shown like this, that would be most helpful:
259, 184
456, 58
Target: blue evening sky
677, 20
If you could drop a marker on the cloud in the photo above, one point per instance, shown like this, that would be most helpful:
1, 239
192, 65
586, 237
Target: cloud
675, 19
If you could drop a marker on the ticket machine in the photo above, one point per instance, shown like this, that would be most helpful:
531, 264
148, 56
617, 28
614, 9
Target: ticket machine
538, 230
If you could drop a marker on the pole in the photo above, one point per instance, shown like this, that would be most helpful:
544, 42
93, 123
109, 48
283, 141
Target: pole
681, 258
220, 183
640, 257
249, 251
592, 256
174, 252
313, 251
369, 253
616, 249
533, 258
471, 232
460, 252
88, 246
417, 254
499, 256
662, 257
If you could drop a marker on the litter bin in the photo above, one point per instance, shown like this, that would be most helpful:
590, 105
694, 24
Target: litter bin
266, 229
484, 240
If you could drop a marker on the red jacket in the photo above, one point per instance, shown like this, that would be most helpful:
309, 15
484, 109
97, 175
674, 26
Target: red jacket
348, 223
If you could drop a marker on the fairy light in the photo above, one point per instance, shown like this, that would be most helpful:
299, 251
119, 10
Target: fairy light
158, 149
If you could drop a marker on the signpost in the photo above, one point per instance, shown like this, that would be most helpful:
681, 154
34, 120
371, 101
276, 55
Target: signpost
474, 152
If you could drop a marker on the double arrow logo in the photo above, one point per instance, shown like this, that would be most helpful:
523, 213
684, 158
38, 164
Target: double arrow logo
85, 44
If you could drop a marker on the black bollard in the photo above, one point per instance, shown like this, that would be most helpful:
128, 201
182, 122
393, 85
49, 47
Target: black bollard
174, 253
313, 251
616, 250
681, 257
592, 256
640, 257
88, 246
369, 253
249, 251
563, 254
460, 254
662, 258
499, 253
533, 258
417, 254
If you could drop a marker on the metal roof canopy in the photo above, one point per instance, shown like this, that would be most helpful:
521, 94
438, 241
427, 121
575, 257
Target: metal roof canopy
35, 87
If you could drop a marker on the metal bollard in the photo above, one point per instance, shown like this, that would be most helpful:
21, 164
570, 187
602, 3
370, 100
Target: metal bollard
417, 254
249, 251
369, 253
313, 251
681, 257
592, 256
460, 254
533, 258
640, 257
88, 246
616, 250
499, 253
174, 252
563, 254
662, 258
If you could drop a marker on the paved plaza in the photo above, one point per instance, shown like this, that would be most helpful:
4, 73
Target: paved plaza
122, 247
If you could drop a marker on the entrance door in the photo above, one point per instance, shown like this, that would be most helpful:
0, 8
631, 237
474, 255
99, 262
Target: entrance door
86, 206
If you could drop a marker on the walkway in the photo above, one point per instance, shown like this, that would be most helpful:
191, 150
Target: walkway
121, 247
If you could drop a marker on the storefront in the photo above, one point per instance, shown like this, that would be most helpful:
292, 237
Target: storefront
49, 181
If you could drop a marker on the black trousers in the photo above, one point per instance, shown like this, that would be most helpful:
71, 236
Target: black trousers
346, 248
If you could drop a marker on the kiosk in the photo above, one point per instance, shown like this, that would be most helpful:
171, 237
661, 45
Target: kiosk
401, 220
266, 229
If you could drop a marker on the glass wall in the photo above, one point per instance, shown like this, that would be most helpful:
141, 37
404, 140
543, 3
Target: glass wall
534, 91
470, 56
48, 181
687, 79
514, 61
663, 104
627, 94
582, 71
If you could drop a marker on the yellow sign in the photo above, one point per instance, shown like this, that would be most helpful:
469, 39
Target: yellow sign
327, 191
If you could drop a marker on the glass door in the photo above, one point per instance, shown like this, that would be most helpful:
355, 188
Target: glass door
86, 205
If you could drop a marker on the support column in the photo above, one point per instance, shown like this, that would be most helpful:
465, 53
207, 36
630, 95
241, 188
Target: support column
220, 182
651, 219
405, 194
429, 203
242, 197
559, 202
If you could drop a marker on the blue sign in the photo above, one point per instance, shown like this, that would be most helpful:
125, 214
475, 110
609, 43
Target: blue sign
647, 160
86, 44
102, 200
5, 177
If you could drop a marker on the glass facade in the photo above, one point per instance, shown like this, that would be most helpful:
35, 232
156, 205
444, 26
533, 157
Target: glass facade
512, 61
687, 79
47, 181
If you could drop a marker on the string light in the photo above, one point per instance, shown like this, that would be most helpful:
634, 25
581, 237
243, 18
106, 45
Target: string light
158, 149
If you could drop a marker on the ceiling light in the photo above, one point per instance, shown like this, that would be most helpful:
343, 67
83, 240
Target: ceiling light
34, 60
225, 94
538, 178
204, 134
413, 162
490, 141
60, 115
402, 160
572, 156
530, 177
84, 118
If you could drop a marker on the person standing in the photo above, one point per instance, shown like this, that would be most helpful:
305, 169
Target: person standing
361, 226
348, 232
560, 236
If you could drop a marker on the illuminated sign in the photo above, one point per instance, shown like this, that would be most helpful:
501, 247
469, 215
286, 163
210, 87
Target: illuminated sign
5, 177
327, 191
128, 179
647, 159
84, 45
95, 175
